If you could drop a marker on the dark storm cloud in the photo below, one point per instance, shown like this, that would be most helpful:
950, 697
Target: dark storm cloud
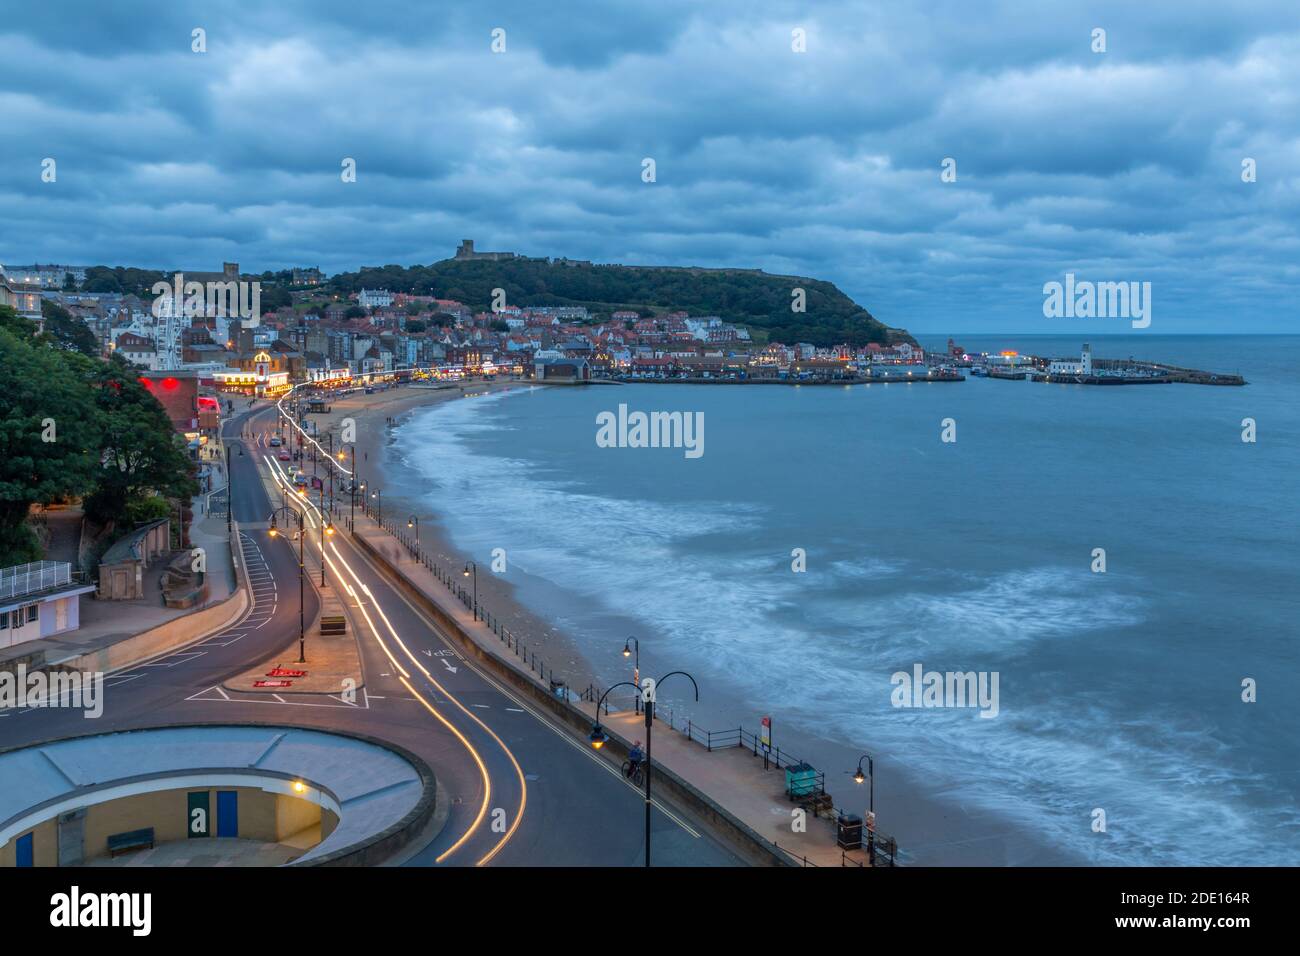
1117, 165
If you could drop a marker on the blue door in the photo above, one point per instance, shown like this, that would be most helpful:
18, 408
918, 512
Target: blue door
227, 813
25, 850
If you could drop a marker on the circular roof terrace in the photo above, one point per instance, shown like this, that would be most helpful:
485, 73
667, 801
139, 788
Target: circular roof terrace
381, 794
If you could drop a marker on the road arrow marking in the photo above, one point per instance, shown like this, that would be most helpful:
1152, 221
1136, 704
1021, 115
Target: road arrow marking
447, 664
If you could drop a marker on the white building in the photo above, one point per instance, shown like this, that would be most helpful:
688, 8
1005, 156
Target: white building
137, 347
1071, 367
374, 298
39, 600
47, 277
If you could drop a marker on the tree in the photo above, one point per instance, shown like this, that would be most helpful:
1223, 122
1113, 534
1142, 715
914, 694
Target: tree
142, 456
11, 321
66, 330
355, 312
48, 448
102, 279
274, 297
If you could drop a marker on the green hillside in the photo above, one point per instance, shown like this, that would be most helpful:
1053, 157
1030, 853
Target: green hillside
755, 299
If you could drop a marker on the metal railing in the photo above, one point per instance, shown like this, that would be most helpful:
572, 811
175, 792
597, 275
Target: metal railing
882, 850
34, 577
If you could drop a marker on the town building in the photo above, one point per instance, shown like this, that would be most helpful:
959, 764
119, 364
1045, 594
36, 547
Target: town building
374, 298
23, 297
1071, 367
466, 252
39, 600
563, 371
48, 276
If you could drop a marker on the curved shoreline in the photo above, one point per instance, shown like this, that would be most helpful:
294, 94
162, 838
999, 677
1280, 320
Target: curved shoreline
943, 830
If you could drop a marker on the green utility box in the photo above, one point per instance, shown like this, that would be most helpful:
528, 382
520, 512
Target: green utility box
800, 780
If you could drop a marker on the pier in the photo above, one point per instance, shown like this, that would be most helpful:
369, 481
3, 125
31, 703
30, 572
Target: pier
1014, 367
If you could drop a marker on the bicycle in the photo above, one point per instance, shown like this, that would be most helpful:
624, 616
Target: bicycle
636, 776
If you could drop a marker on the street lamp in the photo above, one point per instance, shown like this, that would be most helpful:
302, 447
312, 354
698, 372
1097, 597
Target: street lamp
326, 527
330, 437
230, 498
467, 574
859, 777
379, 505
598, 738
636, 668
414, 522
302, 621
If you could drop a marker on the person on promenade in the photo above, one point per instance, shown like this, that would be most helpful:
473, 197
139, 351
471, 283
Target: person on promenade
634, 758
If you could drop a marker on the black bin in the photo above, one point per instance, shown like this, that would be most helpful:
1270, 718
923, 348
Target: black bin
849, 831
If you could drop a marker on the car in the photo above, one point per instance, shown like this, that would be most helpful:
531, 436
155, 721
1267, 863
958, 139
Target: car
275, 441
284, 455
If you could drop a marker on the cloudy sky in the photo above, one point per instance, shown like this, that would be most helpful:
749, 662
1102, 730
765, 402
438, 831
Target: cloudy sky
1122, 165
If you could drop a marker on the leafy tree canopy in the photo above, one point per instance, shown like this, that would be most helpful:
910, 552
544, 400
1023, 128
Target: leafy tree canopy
68, 331
72, 425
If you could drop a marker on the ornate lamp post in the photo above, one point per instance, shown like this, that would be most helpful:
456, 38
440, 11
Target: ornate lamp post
636, 667
326, 527
472, 565
859, 777
597, 737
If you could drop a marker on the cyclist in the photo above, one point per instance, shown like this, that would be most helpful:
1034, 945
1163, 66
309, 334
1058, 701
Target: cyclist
634, 758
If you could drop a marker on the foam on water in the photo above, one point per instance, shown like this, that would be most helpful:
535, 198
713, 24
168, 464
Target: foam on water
825, 649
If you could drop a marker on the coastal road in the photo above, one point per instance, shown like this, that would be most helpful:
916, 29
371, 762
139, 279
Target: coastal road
520, 790
551, 798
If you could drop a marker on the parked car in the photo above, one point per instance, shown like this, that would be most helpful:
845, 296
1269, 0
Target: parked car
275, 441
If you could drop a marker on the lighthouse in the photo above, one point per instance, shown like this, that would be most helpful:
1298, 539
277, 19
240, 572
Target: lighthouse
1086, 365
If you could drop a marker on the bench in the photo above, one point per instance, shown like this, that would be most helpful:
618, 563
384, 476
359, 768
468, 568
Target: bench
333, 624
130, 840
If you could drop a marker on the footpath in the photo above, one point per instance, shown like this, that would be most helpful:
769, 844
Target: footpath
723, 776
